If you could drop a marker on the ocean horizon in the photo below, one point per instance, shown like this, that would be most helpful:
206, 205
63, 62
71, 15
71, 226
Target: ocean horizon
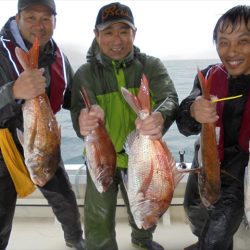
182, 72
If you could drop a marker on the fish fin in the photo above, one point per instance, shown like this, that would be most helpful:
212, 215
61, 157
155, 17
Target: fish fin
205, 84
131, 100
177, 177
20, 136
33, 54
22, 57
124, 173
28, 59
143, 95
176, 173
130, 140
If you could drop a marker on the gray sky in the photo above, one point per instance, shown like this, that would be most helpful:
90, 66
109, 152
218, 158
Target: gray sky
169, 29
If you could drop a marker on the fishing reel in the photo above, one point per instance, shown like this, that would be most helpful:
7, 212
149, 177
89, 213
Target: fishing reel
182, 163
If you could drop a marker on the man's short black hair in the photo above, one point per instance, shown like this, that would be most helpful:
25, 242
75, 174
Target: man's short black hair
232, 17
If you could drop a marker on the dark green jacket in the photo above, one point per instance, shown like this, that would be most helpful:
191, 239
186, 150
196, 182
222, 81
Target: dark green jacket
103, 79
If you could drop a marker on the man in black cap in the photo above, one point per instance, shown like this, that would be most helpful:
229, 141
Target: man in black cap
35, 18
112, 62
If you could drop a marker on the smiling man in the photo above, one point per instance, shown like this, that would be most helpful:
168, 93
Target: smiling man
114, 62
35, 18
216, 225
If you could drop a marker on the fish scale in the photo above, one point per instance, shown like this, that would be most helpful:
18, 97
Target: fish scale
150, 185
152, 176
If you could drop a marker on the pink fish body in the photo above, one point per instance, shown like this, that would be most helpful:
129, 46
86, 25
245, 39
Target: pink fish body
152, 174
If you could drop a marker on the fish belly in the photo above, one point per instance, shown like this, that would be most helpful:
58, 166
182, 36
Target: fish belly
41, 140
101, 158
209, 177
150, 182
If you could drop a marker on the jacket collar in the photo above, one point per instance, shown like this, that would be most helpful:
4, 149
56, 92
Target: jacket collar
10, 31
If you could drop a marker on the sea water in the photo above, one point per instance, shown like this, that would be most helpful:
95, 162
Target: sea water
182, 72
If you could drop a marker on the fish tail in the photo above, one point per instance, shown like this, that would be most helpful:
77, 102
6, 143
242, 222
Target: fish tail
131, 100
142, 100
177, 176
205, 84
33, 54
29, 59
143, 95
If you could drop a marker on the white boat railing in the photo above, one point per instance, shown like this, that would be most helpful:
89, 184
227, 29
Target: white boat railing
78, 178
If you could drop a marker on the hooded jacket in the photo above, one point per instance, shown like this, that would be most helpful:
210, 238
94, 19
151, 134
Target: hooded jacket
103, 79
11, 109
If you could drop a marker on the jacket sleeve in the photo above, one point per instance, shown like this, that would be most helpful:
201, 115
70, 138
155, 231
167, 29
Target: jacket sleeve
186, 124
80, 79
69, 74
9, 107
6, 82
163, 92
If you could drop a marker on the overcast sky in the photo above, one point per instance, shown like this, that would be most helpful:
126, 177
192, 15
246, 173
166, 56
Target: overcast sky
169, 29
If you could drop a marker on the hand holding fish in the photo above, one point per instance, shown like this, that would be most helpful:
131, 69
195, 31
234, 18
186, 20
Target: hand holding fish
41, 134
151, 125
89, 120
29, 84
203, 110
100, 151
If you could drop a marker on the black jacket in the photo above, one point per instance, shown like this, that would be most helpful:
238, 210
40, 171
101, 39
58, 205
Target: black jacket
235, 158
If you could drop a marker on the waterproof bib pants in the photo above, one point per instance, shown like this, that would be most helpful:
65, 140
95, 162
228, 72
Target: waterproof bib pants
60, 196
214, 226
99, 216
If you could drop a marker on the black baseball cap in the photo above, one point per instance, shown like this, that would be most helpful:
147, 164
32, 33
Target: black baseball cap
23, 4
114, 13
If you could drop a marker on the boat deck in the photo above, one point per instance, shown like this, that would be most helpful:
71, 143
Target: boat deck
35, 226
46, 234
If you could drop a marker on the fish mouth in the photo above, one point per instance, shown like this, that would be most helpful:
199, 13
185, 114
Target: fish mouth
42, 171
40, 181
41, 175
145, 220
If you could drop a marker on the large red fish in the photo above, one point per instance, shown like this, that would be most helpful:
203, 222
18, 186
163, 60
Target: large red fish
209, 175
100, 153
41, 136
152, 173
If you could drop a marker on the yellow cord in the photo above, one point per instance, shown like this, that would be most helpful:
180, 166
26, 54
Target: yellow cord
227, 98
